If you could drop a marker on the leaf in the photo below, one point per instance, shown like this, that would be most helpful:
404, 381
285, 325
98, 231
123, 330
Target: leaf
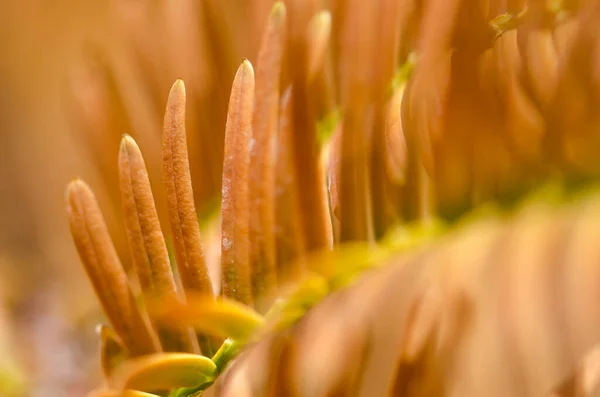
318, 35
189, 255
222, 317
235, 243
146, 241
305, 151
164, 371
180, 196
265, 119
99, 257
289, 235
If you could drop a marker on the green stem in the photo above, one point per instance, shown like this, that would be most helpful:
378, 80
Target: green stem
227, 352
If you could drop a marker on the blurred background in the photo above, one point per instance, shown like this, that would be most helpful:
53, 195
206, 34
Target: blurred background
75, 76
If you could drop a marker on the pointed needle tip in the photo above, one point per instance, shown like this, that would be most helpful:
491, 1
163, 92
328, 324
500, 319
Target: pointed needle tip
178, 88
246, 66
278, 11
127, 142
